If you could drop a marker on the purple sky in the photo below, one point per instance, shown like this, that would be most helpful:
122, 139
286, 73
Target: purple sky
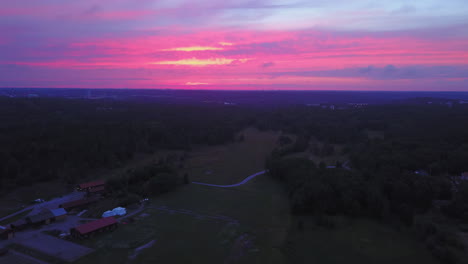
208, 44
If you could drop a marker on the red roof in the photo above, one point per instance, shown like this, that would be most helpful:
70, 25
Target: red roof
96, 225
97, 189
91, 184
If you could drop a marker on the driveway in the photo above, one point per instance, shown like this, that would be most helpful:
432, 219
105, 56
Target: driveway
233, 185
52, 204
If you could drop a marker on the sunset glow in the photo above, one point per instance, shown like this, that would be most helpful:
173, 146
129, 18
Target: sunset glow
334, 45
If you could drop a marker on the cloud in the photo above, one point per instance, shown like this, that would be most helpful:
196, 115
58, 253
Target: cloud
225, 44
196, 83
201, 62
268, 64
194, 48
263, 42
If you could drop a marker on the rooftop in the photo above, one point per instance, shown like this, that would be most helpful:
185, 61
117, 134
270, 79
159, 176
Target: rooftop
58, 212
95, 225
91, 184
42, 216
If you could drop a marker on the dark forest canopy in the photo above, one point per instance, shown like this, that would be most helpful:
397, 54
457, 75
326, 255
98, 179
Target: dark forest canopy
46, 139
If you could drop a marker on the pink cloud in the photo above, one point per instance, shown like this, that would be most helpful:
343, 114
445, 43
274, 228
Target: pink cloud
232, 58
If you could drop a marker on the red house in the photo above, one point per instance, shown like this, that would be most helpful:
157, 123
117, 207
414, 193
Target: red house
91, 185
89, 229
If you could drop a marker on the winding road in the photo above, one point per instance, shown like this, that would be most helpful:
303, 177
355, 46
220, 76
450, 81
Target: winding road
233, 185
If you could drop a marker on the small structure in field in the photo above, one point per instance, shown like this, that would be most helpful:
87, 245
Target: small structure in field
116, 211
90, 186
81, 203
43, 217
6, 233
59, 214
89, 229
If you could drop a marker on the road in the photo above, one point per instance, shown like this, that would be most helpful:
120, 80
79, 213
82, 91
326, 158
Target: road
52, 204
16, 213
233, 185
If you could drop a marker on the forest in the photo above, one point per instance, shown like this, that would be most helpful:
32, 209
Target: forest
60, 139
397, 178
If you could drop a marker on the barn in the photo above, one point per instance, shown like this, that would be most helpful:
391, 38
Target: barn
89, 229
19, 224
43, 217
91, 185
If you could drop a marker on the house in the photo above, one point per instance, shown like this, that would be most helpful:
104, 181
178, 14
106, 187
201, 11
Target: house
59, 214
6, 233
43, 217
91, 228
90, 185
19, 224
81, 203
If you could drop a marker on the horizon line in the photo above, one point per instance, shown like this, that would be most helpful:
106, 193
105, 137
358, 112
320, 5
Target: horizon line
243, 90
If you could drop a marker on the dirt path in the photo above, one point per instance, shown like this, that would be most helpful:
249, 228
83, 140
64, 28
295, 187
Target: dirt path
246, 180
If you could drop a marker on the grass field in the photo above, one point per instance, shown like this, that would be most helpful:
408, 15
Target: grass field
201, 224
357, 241
231, 163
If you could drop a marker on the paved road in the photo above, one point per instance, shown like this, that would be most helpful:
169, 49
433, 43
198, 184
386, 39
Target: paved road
233, 185
16, 213
52, 204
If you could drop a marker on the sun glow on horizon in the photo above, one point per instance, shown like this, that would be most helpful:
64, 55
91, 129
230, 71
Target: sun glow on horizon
201, 62
194, 48
196, 83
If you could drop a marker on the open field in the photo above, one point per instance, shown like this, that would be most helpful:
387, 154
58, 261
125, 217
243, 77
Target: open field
231, 163
201, 224
353, 241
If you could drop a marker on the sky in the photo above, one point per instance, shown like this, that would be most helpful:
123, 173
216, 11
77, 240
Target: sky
403, 45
